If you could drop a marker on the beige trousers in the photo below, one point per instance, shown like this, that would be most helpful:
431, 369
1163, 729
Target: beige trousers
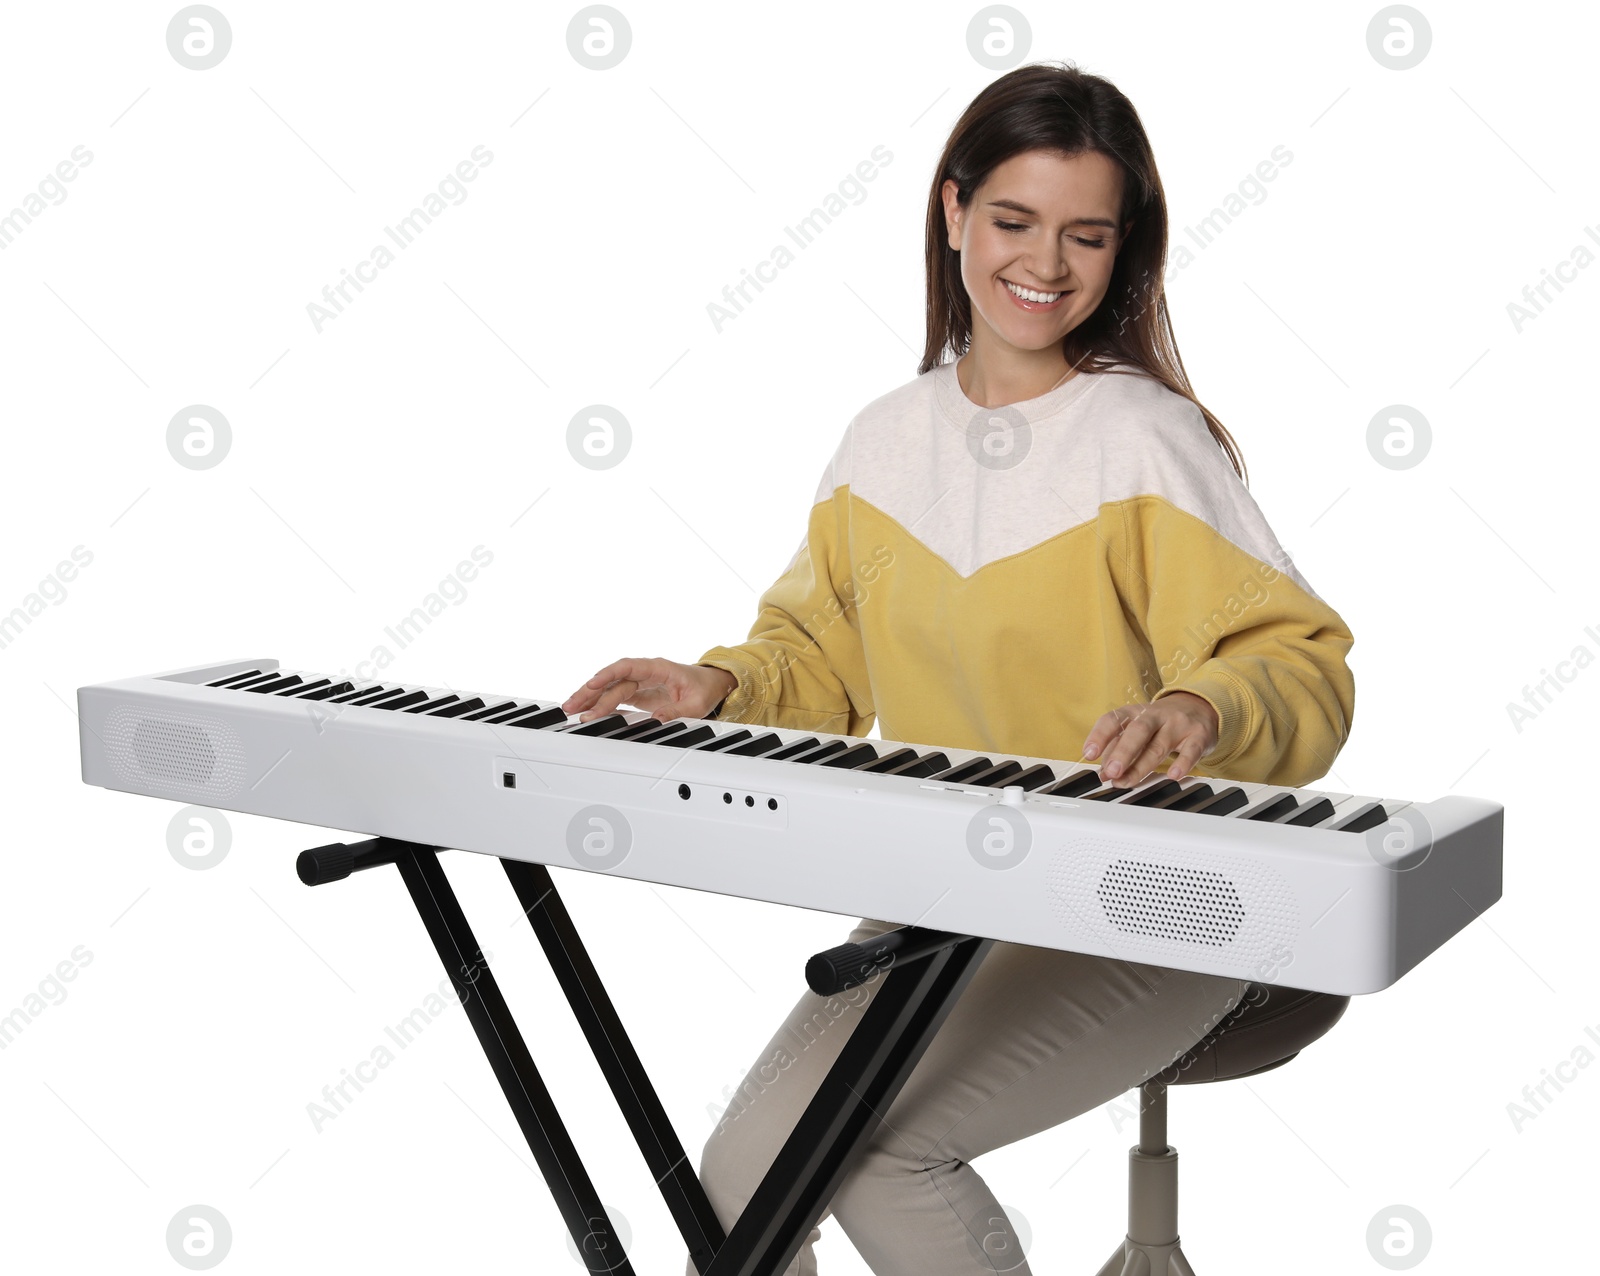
1038, 1037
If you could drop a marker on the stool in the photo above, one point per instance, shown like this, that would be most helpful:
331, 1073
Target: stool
1268, 1027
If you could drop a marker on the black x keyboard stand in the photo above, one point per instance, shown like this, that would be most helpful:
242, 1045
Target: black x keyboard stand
927, 972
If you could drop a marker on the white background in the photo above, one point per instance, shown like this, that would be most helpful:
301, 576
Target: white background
368, 459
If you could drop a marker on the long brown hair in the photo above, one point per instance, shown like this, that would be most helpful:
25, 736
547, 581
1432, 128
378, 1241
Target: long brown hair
1056, 107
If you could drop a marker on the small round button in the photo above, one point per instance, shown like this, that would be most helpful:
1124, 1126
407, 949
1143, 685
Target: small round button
1011, 795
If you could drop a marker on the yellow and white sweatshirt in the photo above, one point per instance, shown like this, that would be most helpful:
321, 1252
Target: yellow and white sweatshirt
997, 578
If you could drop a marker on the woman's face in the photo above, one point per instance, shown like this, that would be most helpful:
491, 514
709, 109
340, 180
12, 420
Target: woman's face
1043, 222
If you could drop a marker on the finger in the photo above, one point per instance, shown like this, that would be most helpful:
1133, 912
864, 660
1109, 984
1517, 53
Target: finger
656, 701
1143, 767
1106, 729
637, 668
1121, 755
1159, 747
580, 699
589, 692
1190, 750
608, 699
628, 667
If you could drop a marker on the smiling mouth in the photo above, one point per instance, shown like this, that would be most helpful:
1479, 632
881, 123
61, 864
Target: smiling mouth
1032, 295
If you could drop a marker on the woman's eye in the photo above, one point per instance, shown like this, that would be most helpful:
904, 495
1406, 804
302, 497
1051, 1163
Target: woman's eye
1013, 227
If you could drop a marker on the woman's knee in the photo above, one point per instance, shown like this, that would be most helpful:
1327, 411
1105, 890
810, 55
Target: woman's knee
724, 1164
883, 1177
738, 1153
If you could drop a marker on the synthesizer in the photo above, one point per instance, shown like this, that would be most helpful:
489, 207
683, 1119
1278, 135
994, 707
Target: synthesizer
1329, 892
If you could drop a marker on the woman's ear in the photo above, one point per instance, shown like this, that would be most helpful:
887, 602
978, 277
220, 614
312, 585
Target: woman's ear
952, 213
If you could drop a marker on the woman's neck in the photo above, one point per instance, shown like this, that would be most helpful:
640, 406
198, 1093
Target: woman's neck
993, 381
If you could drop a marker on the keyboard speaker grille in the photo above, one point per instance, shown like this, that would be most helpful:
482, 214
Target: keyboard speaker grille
173, 754
1164, 903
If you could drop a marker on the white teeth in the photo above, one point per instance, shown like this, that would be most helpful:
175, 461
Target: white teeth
1028, 294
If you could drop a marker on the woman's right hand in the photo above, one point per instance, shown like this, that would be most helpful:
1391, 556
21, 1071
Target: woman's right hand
664, 687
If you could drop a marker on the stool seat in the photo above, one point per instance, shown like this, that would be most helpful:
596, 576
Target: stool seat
1268, 1027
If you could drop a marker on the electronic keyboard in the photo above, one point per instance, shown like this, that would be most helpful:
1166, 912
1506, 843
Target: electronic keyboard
1329, 892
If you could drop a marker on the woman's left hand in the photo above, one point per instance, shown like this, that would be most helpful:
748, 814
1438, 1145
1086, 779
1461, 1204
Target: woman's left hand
1140, 735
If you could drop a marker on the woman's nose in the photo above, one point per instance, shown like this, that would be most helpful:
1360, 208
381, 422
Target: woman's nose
1049, 268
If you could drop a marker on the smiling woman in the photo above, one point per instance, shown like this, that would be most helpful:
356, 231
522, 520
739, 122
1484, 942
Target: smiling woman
1025, 190
1068, 553
1034, 276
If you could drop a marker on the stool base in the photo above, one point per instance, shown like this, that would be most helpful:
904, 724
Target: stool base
1132, 1259
1151, 1245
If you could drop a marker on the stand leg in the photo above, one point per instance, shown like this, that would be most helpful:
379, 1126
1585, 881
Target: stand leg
870, 1071
525, 1091
630, 1085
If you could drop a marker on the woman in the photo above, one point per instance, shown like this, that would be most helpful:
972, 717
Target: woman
1044, 539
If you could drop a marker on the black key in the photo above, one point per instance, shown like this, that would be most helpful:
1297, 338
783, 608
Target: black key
1311, 813
350, 697
820, 752
601, 726
301, 690
457, 709
537, 721
233, 678
789, 750
1157, 793
921, 768
959, 773
853, 757
996, 776
755, 748
1226, 802
1114, 793
431, 705
1074, 785
724, 741
662, 730
276, 684
575, 722
688, 739
481, 714
337, 688
400, 702
384, 694
1187, 800
259, 678
516, 711
891, 762
1033, 777
634, 729
1111, 793
1368, 817
1273, 808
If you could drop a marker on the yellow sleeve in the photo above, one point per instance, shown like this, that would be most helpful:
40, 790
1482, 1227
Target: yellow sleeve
1241, 633
803, 665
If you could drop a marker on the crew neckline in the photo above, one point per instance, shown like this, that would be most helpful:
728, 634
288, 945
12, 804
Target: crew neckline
959, 410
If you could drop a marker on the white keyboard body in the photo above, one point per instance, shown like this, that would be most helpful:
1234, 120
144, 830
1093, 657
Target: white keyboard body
1304, 907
